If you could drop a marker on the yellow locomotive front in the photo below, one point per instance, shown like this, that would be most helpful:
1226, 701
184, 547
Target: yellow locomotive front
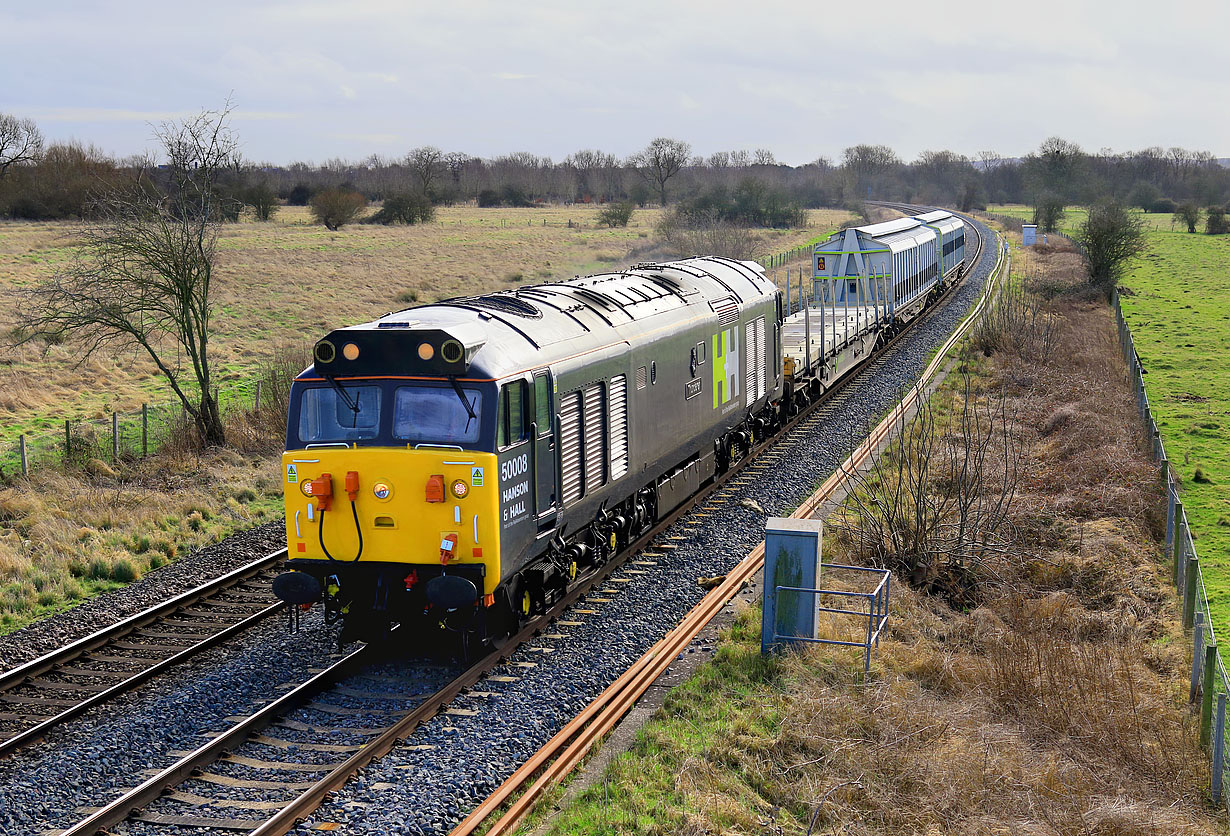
392, 504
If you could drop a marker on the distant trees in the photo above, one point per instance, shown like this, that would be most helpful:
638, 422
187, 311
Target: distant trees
661, 160
337, 207
20, 142
1189, 214
144, 272
1110, 236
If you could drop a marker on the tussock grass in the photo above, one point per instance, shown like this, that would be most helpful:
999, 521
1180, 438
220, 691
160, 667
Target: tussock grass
1056, 705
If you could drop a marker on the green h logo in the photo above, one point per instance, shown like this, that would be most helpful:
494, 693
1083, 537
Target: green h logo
725, 367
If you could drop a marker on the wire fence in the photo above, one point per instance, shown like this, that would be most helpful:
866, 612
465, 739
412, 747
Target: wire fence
122, 437
1209, 682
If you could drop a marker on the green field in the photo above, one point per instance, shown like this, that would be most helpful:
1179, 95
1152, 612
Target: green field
1177, 301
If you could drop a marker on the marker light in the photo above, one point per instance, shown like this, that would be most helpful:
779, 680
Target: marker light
350, 351
381, 490
426, 351
460, 489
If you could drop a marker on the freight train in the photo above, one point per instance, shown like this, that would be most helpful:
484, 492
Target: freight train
455, 465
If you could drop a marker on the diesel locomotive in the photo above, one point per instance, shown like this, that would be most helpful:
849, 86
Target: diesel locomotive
456, 465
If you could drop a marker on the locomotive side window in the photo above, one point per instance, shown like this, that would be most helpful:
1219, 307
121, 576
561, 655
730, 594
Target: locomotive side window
702, 349
512, 426
325, 415
542, 404
435, 415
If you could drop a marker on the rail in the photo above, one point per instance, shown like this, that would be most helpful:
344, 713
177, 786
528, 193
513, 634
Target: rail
33, 671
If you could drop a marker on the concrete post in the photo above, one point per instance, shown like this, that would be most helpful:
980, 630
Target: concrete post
1206, 704
1176, 545
1192, 572
791, 558
1197, 657
1219, 749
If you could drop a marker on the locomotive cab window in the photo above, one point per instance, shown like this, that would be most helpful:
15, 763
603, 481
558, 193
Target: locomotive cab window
351, 414
512, 425
435, 415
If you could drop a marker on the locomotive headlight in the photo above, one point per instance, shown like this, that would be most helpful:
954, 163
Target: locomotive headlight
350, 351
426, 351
451, 351
460, 489
381, 490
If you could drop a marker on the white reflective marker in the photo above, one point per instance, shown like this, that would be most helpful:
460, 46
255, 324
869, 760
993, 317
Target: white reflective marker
297, 534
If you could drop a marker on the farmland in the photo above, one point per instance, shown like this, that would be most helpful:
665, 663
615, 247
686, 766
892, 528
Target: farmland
278, 285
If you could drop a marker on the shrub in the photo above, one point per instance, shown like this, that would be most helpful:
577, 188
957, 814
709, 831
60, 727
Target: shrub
1048, 213
616, 214
123, 571
515, 196
1188, 214
404, 209
1215, 221
337, 207
489, 198
408, 296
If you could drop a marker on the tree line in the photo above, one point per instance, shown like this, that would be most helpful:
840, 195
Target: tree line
60, 180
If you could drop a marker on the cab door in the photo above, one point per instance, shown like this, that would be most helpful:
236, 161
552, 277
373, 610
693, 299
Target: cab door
543, 430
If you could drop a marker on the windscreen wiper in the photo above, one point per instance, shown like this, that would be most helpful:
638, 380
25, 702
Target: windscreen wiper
341, 390
469, 409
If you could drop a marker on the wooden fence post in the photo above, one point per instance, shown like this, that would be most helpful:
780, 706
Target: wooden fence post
68, 440
115, 437
144, 430
258, 394
25, 461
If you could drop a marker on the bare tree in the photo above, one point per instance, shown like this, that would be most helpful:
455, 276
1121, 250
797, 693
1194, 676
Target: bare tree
426, 162
144, 271
585, 165
20, 142
763, 156
661, 160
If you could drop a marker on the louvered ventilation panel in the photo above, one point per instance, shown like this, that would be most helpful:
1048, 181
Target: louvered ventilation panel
642, 377
727, 310
570, 445
618, 399
749, 363
595, 438
760, 367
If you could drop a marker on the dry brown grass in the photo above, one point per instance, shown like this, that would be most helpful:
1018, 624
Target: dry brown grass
279, 286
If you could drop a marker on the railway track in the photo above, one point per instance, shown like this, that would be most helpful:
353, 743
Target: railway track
43, 693
559, 756
267, 749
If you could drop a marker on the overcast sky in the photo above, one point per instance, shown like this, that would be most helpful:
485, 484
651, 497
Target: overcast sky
316, 80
